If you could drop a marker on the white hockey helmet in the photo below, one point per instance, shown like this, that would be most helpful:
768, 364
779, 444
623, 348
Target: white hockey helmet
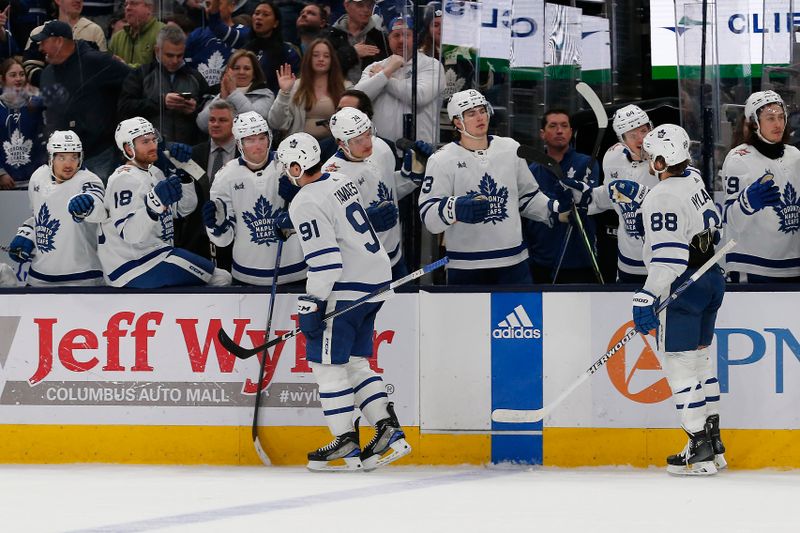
464, 101
348, 123
628, 118
64, 141
130, 129
668, 141
249, 123
300, 148
759, 99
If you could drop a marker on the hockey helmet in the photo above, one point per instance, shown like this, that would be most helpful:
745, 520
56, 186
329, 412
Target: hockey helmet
64, 141
464, 101
300, 148
130, 129
348, 123
249, 123
628, 118
668, 141
759, 99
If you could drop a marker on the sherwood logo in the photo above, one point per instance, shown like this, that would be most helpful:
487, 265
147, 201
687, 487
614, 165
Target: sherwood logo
517, 325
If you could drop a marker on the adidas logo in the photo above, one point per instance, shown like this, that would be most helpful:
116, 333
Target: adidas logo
517, 325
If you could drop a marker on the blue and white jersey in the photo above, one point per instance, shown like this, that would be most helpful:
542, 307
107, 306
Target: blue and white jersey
66, 251
375, 179
768, 243
619, 165
251, 201
22, 144
674, 211
208, 53
344, 254
500, 175
131, 242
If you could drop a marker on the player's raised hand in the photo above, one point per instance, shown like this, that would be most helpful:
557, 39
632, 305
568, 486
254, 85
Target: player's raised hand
758, 195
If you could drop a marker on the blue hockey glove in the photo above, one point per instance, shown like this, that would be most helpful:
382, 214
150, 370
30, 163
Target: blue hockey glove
286, 189
413, 166
382, 216
310, 312
181, 152
560, 206
21, 247
213, 218
282, 226
759, 195
581, 192
163, 194
471, 208
80, 206
644, 312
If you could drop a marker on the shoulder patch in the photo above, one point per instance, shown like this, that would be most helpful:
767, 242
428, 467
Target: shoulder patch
332, 167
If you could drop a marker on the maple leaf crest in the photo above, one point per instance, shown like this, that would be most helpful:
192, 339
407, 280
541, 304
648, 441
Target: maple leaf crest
384, 195
452, 83
17, 149
259, 222
167, 226
46, 229
788, 210
498, 199
212, 69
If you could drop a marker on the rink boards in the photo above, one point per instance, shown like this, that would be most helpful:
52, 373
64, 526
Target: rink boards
141, 378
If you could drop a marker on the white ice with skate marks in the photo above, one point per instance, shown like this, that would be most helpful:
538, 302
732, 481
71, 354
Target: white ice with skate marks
421, 499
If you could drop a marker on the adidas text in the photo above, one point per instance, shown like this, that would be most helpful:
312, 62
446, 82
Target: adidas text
516, 333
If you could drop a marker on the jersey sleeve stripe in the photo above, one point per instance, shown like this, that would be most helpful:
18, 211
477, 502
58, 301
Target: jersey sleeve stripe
322, 251
628, 261
354, 286
489, 254
761, 261
123, 219
670, 260
336, 394
333, 266
525, 199
269, 272
678, 245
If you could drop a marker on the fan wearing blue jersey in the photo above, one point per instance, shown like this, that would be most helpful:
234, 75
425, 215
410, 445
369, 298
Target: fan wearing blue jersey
681, 224
345, 262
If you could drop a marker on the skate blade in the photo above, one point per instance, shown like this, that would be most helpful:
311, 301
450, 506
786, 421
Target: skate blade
348, 464
703, 468
720, 462
399, 448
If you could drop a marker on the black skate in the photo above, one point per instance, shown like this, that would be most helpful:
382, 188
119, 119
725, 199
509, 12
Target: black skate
389, 437
329, 458
712, 426
696, 459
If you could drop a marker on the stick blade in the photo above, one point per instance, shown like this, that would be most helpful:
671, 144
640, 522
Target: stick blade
518, 416
262, 453
229, 344
594, 102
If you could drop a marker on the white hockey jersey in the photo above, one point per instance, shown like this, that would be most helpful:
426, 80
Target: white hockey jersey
500, 175
345, 257
375, 179
618, 165
251, 202
130, 242
768, 243
674, 211
66, 251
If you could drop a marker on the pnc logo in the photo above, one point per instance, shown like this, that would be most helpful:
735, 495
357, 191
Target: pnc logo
516, 325
621, 374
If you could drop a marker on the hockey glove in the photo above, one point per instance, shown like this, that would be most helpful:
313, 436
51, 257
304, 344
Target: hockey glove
282, 227
560, 206
163, 194
21, 247
310, 312
181, 152
759, 195
471, 208
627, 192
80, 206
382, 216
413, 165
581, 192
644, 312
286, 189
213, 217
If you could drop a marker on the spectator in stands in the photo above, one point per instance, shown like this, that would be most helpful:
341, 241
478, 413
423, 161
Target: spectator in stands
388, 84
70, 11
312, 21
80, 87
135, 43
102, 12
24, 16
8, 46
243, 86
22, 148
357, 38
205, 51
166, 92
305, 102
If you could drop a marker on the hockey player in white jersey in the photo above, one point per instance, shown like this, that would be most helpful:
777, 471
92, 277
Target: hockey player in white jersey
60, 238
474, 191
135, 244
345, 262
681, 224
762, 179
369, 163
244, 205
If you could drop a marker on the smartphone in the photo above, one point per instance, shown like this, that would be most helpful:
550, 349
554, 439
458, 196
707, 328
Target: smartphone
186, 95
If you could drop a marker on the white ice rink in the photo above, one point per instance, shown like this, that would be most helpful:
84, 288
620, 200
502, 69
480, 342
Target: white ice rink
407, 499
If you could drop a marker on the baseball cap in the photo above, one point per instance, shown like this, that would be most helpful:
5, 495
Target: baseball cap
53, 28
400, 23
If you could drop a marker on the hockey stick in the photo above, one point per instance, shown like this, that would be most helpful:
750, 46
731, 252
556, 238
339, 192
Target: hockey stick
262, 453
245, 353
535, 415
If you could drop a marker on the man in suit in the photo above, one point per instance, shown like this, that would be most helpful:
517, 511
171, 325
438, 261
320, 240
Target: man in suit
211, 155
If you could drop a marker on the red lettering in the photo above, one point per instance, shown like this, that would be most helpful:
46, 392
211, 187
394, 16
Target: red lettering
378, 339
141, 333
69, 344
257, 338
197, 357
300, 363
45, 349
112, 335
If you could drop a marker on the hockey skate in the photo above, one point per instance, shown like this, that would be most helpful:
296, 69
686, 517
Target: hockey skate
712, 426
696, 459
389, 437
344, 449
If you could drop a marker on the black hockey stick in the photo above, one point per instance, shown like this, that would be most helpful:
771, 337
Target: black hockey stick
245, 353
262, 453
535, 415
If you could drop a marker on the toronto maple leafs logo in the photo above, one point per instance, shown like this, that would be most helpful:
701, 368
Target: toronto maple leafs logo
498, 199
259, 222
212, 70
452, 83
788, 210
384, 195
629, 213
167, 226
17, 149
293, 143
661, 134
46, 229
